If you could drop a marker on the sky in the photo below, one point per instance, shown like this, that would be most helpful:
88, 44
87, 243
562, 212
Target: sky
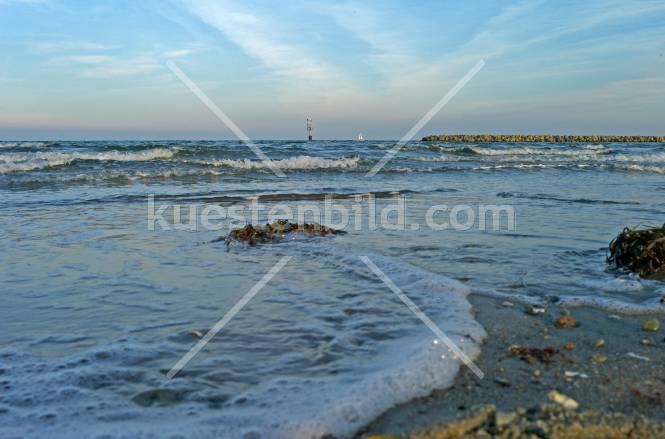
98, 70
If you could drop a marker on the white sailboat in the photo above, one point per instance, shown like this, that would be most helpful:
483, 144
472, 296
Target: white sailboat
360, 137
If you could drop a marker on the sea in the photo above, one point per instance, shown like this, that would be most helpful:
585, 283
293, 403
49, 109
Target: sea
113, 266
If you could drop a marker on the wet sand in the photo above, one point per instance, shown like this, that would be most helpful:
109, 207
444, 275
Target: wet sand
621, 380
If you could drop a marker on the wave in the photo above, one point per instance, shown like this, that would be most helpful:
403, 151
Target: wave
571, 166
561, 199
650, 306
23, 162
99, 383
26, 144
640, 168
650, 158
524, 150
440, 158
303, 162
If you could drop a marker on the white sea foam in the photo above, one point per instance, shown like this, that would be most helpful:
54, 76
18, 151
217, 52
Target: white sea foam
298, 162
522, 150
652, 305
641, 168
438, 158
651, 158
18, 162
53, 397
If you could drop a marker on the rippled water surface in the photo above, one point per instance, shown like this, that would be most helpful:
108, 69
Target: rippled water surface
96, 307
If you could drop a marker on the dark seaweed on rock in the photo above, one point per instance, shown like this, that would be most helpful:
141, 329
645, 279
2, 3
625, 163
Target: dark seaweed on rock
640, 251
275, 232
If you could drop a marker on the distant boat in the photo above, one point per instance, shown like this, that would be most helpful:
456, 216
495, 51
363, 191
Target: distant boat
360, 137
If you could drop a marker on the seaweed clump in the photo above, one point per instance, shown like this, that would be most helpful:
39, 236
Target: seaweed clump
276, 231
534, 355
640, 251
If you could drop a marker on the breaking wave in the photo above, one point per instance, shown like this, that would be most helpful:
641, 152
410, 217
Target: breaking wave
299, 162
590, 151
641, 168
23, 162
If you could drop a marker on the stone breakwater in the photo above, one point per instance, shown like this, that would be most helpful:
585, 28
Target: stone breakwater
542, 138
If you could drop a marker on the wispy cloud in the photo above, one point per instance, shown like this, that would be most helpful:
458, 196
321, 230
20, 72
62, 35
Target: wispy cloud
262, 39
178, 53
529, 23
81, 59
59, 46
390, 51
104, 66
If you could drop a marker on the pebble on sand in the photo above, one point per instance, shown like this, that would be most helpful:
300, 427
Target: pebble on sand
651, 325
565, 321
535, 310
563, 400
599, 358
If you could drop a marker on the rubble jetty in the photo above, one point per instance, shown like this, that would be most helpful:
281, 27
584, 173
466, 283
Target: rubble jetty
540, 138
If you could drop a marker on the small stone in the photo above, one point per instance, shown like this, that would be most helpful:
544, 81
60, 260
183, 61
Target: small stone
502, 382
570, 374
535, 310
507, 304
564, 401
647, 341
651, 325
197, 334
537, 373
569, 346
504, 419
565, 321
599, 358
600, 343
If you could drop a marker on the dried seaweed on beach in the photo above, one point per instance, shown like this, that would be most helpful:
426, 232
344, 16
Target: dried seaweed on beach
276, 232
640, 251
534, 355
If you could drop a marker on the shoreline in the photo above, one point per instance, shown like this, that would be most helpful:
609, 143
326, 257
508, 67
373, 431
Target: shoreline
540, 138
617, 378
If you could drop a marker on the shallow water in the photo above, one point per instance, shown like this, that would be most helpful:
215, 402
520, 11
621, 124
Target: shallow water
97, 307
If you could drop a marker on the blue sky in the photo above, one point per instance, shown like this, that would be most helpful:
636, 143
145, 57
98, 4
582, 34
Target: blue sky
96, 70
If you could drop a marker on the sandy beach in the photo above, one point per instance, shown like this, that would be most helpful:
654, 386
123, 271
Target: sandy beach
611, 369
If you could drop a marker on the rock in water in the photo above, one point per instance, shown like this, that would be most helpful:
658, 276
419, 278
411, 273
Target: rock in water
276, 232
